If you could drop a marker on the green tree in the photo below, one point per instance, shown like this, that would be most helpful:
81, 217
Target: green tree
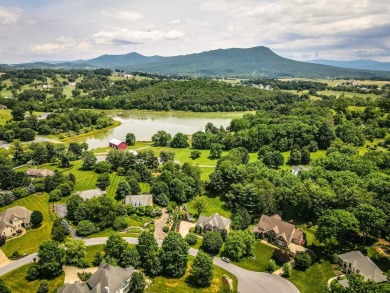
235, 246
26, 134
278, 159
161, 138
75, 252
123, 190
195, 154
103, 181
271, 267
148, 251
302, 260
295, 157
89, 160
325, 135
17, 114
85, 228
174, 255
202, 269
216, 150
287, 269
137, 283
371, 220
43, 287
199, 205
58, 232
130, 257
102, 167
51, 258
166, 156
115, 246
212, 242
305, 158
180, 140
36, 218
3, 287
130, 139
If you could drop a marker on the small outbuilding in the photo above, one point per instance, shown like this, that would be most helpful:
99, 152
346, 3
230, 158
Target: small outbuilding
117, 144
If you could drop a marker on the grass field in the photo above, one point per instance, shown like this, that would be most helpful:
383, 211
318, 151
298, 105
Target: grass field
16, 281
91, 252
182, 285
30, 242
259, 262
314, 279
214, 204
5, 115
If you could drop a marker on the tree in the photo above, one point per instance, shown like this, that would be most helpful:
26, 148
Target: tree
166, 156
180, 140
123, 190
195, 154
130, 139
202, 269
130, 257
302, 260
3, 287
75, 252
26, 134
148, 250
371, 220
134, 186
89, 160
325, 135
51, 258
305, 158
73, 203
234, 246
17, 113
85, 228
212, 242
335, 224
43, 287
103, 181
287, 269
161, 138
58, 232
278, 159
102, 167
199, 205
36, 218
174, 255
216, 150
295, 157
271, 267
137, 282
191, 238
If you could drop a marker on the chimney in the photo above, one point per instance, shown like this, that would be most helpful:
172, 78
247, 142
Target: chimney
106, 289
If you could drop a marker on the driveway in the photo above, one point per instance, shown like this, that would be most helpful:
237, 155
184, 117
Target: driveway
184, 227
248, 281
159, 224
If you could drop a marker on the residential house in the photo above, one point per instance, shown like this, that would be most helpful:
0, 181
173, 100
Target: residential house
141, 200
47, 86
296, 169
278, 231
14, 219
213, 223
117, 144
91, 193
107, 279
354, 262
39, 172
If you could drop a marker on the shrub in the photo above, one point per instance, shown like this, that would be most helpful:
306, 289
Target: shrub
212, 242
281, 256
55, 195
120, 223
165, 229
43, 287
15, 255
32, 273
192, 230
85, 228
287, 270
195, 154
302, 260
2, 240
334, 258
191, 238
271, 266
36, 218
83, 276
102, 167
312, 255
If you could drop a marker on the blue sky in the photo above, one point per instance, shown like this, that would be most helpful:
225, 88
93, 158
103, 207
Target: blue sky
298, 29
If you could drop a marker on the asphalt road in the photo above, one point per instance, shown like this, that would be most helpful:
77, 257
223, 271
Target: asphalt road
248, 281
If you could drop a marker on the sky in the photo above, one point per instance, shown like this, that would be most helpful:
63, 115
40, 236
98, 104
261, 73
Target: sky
43, 30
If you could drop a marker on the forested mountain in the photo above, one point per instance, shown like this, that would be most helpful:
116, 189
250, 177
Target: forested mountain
235, 62
355, 64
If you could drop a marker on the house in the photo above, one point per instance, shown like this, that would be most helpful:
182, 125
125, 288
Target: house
354, 262
117, 144
141, 200
14, 219
213, 223
91, 193
39, 172
278, 231
296, 169
47, 86
107, 279
3, 107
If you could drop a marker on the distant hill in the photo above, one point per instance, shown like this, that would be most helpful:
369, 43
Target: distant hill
234, 62
355, 64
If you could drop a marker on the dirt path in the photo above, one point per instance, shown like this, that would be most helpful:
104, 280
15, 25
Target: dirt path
159, 224
4, 259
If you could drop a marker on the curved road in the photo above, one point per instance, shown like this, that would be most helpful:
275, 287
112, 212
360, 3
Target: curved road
248, 281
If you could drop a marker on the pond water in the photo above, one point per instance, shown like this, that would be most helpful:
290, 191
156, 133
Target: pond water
146, 123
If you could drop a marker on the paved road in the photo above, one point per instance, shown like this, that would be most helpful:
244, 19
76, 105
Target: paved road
248, 281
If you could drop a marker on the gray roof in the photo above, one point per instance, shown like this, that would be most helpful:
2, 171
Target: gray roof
221, 223
141, 200
88, 194
7, 216
296, 169
106, 276
367, 268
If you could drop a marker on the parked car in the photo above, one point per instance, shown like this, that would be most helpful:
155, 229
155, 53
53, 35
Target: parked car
225, 259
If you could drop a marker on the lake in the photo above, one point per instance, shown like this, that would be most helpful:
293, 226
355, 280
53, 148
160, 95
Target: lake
146, 123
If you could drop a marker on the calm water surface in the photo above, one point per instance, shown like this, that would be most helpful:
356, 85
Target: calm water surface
146, 123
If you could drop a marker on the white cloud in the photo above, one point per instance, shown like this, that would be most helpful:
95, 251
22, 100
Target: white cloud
59, 45
9, 15
123, 15
125, 36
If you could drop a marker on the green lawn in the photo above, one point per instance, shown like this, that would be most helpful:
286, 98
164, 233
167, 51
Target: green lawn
310, 235
381, 261
30, 242
213, 205
314, 279
259, 262
181, 285
17, 282
92, 250
5, 115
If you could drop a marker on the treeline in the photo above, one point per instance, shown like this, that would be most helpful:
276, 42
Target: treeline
298, 85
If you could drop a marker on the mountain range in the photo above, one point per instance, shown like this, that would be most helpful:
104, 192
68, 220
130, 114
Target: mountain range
235, 62
355, 64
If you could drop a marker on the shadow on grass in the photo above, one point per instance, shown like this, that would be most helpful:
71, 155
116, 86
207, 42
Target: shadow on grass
191, 282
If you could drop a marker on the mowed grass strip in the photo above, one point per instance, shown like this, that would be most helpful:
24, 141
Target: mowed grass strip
259, 262
29, 242
214, 204
16, 281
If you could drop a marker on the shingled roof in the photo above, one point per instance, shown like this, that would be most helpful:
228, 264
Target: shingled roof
91, 193
7, 216
221, 223
140, 200
39, 172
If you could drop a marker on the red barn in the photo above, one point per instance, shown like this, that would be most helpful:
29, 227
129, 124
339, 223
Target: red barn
117, 144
